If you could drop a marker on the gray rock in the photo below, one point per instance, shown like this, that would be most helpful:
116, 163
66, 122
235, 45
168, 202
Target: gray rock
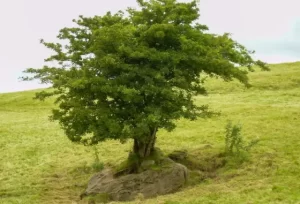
179, 155
149, 183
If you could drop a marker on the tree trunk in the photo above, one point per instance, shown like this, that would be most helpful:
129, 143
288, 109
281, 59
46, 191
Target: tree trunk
144, 148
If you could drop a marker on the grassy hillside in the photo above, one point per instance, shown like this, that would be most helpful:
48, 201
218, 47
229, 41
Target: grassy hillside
38, 164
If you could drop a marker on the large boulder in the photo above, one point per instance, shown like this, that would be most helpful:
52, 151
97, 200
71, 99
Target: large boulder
168, 178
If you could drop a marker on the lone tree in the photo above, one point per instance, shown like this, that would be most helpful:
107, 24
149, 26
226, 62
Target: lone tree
126, 75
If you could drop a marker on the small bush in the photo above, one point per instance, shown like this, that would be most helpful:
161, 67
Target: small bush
234, 141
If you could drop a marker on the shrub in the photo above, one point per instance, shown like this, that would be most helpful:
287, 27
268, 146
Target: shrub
234, 141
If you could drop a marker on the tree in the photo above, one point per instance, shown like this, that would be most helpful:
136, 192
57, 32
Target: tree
126, 75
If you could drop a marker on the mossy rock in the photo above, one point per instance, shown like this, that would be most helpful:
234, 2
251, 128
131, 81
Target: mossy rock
150, 183
206, 159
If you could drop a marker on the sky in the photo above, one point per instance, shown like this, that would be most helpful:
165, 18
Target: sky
270, 27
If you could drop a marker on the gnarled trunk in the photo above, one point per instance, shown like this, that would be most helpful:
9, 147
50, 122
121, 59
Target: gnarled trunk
144, 148
141, 149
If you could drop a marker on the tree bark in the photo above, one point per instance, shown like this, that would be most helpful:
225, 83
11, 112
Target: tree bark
144, 148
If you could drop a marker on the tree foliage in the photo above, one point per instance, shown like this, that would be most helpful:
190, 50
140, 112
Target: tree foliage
126, 75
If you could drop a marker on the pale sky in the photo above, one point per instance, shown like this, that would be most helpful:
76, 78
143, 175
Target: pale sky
270, 27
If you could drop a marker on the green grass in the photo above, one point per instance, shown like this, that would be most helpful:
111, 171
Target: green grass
38, 164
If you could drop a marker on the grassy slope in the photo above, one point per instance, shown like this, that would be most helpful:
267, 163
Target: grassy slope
39, 165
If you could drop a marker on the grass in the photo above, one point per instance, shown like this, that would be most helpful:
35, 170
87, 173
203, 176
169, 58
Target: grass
38, 164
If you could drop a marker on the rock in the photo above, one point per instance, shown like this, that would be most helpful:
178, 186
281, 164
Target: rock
150, 183
178, 155
207, 146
